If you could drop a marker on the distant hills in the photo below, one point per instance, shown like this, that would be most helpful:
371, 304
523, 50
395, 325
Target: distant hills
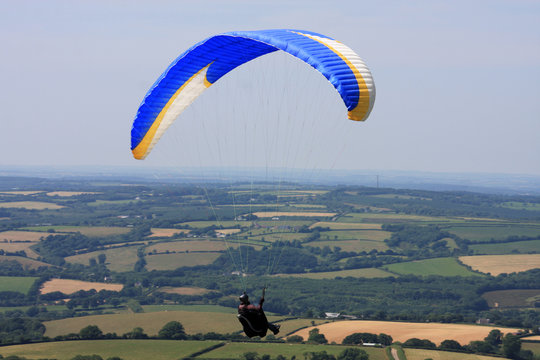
515, 184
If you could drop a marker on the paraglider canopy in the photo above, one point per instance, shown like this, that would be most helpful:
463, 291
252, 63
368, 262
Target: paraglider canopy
206, 62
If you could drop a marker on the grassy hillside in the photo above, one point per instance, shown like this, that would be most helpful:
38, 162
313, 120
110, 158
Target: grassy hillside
235, 350
438, 266
512, 298
530, 246
193, 321
358, 273
15, 283
126, 349
486, 232
421, 354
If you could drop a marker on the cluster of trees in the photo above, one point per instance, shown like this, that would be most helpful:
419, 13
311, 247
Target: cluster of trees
346, 354
508, 345
55, 247
173, 330
18, 330
434, 203
361, 338
291, 260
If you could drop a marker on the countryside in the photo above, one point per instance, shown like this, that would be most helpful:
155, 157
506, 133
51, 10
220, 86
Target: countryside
441, 274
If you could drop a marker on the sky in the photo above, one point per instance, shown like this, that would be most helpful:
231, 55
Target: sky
458, 82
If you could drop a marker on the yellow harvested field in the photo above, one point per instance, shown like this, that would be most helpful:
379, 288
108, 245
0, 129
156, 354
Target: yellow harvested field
264, 214
31, 205
402, 331
70, 286
26, 263
70, 193
162, 232
184, 290
346, 226
19, 246
16, 236
535, 338
499, 264
20, 192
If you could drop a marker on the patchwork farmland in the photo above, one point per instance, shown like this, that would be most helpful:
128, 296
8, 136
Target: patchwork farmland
129, 256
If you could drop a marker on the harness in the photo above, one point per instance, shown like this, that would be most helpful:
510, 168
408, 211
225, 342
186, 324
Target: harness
252, 328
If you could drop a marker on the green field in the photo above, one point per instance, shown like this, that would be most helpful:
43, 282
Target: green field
398, 196
225, 224
521, 205
379, 218
293, 325
310, 206
296, 223
268, 230
346, 226
235, 350
126, 349
112, 202
352, 245
512, 298
91, 231
357, 273
534, 347
439, 266
196, 308
18, 284
118, 259
523, 247
421, 354
214, 245
170, 349
377, 235
24, 308
277, 236
486, 232
174, 261
25, 262
256, 206
194, 322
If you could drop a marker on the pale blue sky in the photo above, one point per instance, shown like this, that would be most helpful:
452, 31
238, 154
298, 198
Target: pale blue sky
458, 82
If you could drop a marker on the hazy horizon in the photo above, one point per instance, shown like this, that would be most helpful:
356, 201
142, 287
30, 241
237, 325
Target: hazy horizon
457, 82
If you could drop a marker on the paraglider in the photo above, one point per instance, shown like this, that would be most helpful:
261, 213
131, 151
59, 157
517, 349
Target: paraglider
253, 319
206, 62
